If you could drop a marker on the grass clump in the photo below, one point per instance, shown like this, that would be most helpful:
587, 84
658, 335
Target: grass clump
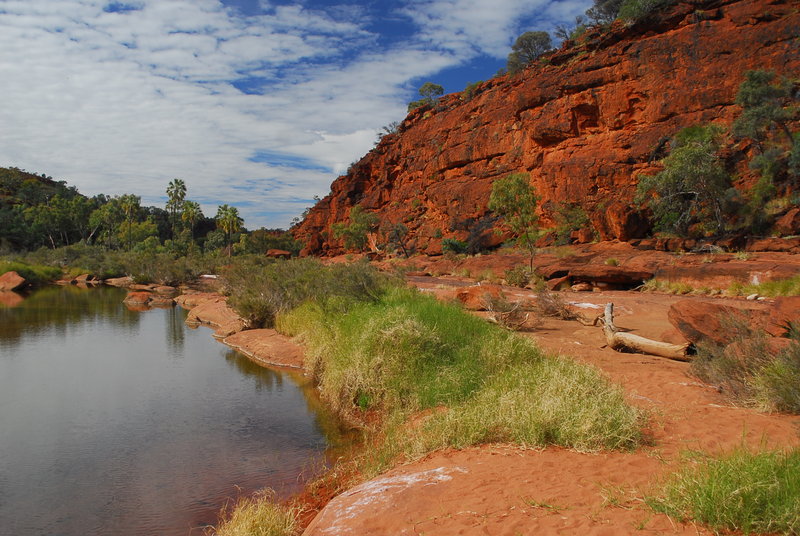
407, 355
773, 289
750, 371
743, 491
258, 515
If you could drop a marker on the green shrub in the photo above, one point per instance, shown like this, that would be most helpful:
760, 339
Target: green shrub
451, 245
259, 292
569, 217
748, 372
742, 491
634, 10
518, 276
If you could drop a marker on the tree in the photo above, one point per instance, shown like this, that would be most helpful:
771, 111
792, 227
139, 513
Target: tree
515, 200
527, 48
693, 186
191, 214
130, 205
429, 92
355, 234
176, 194
604, 11
229, 221
763, 100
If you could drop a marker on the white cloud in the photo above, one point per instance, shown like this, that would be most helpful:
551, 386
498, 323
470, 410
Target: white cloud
124, 102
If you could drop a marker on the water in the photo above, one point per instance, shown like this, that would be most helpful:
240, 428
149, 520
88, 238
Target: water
121, 422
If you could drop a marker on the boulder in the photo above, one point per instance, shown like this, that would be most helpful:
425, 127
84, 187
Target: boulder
138, 297
122, 282
166, 290
11, 281
581, 287
83, 278
790, 245
785, 312
474, 298
700, 321
789, 223
161, 301
559, 283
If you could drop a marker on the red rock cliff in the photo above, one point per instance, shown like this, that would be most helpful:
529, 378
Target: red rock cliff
584, 125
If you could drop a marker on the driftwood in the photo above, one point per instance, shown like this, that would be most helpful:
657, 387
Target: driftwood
628, 342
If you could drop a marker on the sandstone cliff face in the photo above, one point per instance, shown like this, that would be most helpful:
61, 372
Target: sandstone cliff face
584, 125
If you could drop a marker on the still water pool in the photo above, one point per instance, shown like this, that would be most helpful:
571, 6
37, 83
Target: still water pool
119, 422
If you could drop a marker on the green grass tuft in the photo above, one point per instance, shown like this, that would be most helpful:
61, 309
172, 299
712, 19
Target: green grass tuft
258, 515
743, 491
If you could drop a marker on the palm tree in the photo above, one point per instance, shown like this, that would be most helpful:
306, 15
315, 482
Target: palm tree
191, 214
229, 221
176, 194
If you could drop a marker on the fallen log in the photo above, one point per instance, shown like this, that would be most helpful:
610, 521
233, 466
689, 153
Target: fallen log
628, 342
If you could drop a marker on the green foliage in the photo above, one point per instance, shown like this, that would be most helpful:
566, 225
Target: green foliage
395, 236
604, 11
528, 47
569, 217
176, 196
635, 10
451, 245
742, 491
407, 352
764, 101
262, 240
693, 186
34, 274
259, 289
470, 90
429, 92
518, 276
515, 200
355, 233
229, 221
748, 371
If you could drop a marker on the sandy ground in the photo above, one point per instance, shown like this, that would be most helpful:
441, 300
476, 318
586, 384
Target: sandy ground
502, 490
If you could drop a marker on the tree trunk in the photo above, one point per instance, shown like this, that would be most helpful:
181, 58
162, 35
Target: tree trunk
627, 342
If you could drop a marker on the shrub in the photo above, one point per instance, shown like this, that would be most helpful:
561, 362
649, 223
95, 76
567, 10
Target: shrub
259, 292
742, 491
549, 303
569, 217
749, 371
518, 276
635, 10
515, 200
527, 48
451, 245
355, 233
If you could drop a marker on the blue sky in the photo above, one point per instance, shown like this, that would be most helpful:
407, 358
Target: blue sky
255, 103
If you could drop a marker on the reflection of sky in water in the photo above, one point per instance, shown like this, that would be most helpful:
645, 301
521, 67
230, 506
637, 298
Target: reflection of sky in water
121, 422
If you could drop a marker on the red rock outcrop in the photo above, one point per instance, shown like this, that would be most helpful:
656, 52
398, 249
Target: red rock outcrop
11, 281
584, 124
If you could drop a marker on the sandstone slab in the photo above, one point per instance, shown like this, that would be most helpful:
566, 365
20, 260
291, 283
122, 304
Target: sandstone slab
11, 281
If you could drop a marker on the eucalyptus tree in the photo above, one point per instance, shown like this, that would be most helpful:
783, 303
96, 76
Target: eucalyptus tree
515, 199
229, 221
130, 205
176, 195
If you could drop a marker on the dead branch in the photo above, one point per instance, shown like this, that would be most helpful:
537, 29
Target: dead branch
628, 342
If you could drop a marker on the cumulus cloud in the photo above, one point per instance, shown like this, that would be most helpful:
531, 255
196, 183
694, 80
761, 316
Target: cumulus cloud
258, 110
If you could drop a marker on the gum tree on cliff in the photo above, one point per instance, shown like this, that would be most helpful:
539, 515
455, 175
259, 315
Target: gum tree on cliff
515, 200
355, 234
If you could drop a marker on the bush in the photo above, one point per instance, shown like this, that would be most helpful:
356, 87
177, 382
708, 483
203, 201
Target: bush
451, 245
635, 10
749, 372
259, 292
518, 276
743, 491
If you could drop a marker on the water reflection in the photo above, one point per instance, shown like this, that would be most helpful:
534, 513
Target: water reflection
117, 422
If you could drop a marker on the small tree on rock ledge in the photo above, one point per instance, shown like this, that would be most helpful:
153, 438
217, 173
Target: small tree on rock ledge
515, 200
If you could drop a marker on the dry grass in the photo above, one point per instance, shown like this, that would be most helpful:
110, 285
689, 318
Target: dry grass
257, 515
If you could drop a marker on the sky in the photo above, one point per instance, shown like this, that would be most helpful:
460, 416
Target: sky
259, 104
